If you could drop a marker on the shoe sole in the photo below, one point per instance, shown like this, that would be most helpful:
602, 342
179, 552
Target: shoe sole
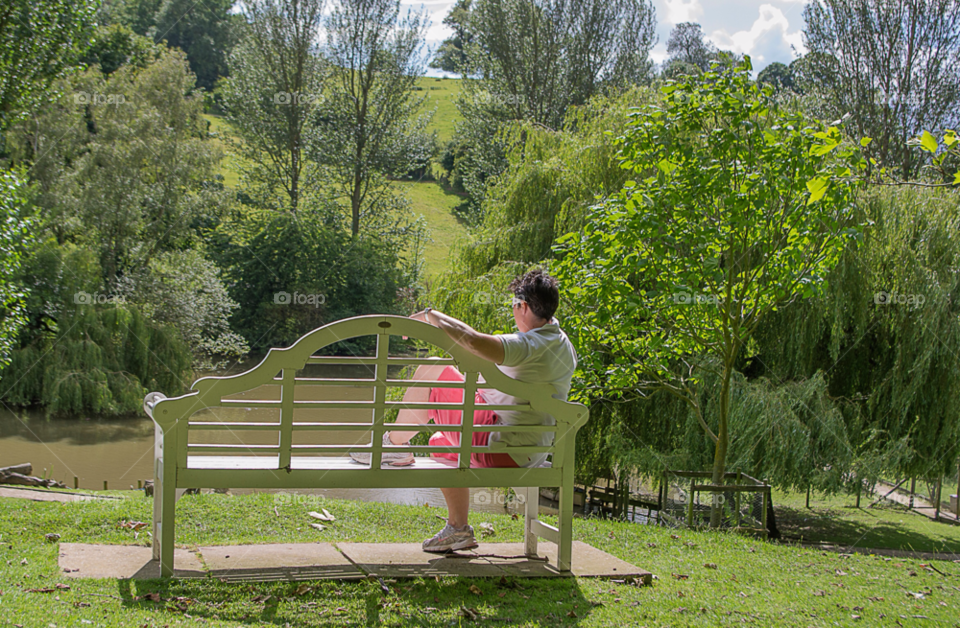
453, 548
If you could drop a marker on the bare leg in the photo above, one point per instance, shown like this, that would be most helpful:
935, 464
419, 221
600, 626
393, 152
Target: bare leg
416, 395
458, 505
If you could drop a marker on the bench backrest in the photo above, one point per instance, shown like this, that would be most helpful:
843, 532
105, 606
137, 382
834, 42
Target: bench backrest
293, 413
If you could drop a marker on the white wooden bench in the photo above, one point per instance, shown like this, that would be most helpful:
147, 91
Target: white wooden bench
190, 451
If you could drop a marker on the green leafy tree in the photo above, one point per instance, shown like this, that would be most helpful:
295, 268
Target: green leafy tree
451, 55
738, 208
39, 40
370, 126
14, 237
205, 30
121, 165
116, 45
532, 61
778, 75
276, 84
894, 66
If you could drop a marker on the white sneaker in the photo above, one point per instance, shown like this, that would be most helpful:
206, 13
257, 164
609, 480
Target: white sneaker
394, 459
451, 539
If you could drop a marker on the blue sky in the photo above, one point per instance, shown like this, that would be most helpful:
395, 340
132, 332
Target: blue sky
767, 30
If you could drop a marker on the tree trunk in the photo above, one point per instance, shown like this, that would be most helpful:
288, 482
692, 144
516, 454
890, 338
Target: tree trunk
720, 453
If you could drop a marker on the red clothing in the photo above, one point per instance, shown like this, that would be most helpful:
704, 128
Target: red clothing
452, 417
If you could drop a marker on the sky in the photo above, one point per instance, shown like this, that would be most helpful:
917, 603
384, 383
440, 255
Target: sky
767, 30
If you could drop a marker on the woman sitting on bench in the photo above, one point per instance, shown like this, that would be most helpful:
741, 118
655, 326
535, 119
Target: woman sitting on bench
539, 352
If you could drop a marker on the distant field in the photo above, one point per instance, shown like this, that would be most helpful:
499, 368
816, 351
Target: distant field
428, 197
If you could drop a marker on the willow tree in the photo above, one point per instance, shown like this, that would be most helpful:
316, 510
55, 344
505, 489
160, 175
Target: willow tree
738, 208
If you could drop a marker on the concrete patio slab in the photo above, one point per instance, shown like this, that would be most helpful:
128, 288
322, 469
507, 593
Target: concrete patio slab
341, 561
79, 560
588, 562
278, 561
408, 560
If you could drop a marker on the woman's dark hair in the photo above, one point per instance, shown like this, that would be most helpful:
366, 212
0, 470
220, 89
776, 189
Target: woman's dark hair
539, 290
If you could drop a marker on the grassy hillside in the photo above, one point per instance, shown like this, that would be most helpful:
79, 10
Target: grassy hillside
428, 197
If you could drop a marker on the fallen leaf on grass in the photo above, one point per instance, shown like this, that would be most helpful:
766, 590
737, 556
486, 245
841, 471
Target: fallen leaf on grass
317, 526
80, 604
710, 565
475, 590
820, 593
875, 599
572, 614
680, 576
43, 590
324, 516
469, 613
486, 529
132, 525
62, 587
303, 589
53, 536
651, 545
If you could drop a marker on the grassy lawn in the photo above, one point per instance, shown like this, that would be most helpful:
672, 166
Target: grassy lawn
703, 578
836, 520
436, 205
441, 93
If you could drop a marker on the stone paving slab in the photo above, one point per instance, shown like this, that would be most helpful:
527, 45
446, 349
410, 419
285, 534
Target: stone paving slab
278, 561
408, 560
80, 560
341, 561
588, 562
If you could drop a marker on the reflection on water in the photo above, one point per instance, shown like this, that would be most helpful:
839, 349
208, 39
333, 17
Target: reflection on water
120, 451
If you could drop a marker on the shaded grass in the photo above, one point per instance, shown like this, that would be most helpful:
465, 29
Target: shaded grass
754, 582
836, 520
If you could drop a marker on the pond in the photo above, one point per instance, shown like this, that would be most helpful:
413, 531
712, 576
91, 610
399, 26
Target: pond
120, 452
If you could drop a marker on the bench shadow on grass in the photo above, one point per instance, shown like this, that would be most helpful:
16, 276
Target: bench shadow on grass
416, 602
883, 528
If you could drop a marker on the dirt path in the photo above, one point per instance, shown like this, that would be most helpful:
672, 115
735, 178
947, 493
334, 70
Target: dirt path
920, 504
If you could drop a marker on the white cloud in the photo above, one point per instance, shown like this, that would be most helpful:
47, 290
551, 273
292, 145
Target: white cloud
682, 11
769, 39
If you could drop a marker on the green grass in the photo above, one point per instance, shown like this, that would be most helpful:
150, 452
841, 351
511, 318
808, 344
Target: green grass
836, 520
436, 205
754, 582
441, 93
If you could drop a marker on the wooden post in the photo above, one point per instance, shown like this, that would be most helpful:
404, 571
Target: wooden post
76, 482
104, 485
913, 489
859, 486
765, 501
936, 514
736, 496
690, 505
139, 484
808, 496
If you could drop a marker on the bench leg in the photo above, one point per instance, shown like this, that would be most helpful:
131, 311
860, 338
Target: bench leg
565, 522
531, 503
167, 528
